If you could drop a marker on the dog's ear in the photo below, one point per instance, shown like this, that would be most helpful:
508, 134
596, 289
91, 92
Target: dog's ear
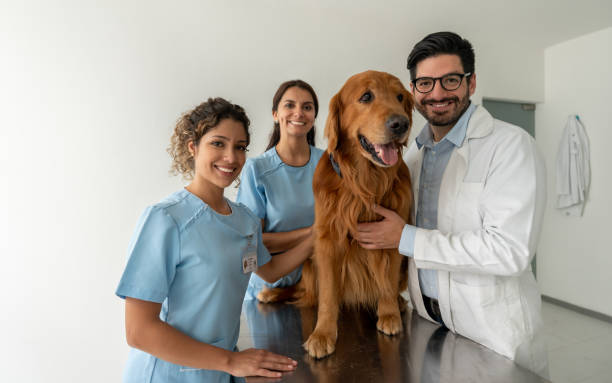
332, 126
408, 104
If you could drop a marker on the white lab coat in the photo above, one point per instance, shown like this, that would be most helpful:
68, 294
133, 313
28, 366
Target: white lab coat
573, 169
490, 209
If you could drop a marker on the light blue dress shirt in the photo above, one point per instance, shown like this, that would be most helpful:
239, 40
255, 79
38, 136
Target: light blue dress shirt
282, 196
189, 258
435, 160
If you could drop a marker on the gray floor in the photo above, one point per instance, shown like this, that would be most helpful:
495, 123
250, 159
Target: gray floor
579, 347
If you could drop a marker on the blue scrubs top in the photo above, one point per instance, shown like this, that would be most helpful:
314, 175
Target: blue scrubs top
282, 196
188, 257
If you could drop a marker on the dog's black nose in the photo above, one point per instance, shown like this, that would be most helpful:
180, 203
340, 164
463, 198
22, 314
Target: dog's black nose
397, 124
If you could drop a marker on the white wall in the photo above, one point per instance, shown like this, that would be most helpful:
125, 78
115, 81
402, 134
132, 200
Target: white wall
89, 92
575, 256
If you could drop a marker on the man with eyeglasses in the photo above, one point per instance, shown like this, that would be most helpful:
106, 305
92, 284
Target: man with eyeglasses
479, 189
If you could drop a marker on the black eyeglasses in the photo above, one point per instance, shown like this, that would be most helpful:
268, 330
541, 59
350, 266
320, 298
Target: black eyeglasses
449, 82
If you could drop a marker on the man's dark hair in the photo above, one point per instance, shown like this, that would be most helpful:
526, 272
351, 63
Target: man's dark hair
442, 43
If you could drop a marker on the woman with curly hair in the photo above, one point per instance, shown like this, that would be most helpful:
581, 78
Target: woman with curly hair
190, 260
277, 185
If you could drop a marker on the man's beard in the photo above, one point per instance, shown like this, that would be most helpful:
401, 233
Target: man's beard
445, 119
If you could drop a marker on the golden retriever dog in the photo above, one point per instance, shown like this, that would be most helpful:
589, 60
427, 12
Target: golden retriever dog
368, 125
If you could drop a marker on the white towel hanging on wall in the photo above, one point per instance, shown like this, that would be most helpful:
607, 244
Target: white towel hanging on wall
573, 168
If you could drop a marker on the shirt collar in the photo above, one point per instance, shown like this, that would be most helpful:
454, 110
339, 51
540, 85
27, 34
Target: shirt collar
456, 135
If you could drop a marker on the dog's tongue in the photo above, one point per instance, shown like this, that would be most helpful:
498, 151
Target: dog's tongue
387, 153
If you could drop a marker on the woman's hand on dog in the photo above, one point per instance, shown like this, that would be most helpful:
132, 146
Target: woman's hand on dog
385, 234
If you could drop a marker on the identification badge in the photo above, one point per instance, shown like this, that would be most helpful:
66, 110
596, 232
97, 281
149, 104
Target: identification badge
249, 262
249, 259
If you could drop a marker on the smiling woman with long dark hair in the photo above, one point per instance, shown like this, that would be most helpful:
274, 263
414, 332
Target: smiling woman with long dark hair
277, 185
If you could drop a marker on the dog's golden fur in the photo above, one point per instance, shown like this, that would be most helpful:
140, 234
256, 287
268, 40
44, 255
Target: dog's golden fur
340, 271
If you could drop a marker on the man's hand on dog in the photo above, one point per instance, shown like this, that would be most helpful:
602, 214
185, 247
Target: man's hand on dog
385, 234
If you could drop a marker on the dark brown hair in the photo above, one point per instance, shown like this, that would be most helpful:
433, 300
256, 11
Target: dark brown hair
440, 43
196, 123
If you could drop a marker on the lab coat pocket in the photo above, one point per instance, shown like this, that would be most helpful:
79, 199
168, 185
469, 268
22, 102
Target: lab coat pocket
475, 280
467, 207
485, 309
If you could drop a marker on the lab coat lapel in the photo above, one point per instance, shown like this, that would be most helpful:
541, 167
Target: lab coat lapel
480, 125
449, 188
413, 159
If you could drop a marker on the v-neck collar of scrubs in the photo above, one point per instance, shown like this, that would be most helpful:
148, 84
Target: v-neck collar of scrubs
201, 207
197, 201
281, 162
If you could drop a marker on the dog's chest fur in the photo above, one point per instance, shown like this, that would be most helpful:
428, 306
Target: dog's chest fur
347, 201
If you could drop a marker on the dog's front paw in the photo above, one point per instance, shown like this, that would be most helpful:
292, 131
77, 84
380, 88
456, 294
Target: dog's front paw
389, 324
320, 345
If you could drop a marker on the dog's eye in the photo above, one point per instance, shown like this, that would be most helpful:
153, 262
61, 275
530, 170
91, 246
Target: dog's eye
400, 97
366, 97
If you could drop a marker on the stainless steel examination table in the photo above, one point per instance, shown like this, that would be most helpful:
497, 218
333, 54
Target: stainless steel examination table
422, 353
